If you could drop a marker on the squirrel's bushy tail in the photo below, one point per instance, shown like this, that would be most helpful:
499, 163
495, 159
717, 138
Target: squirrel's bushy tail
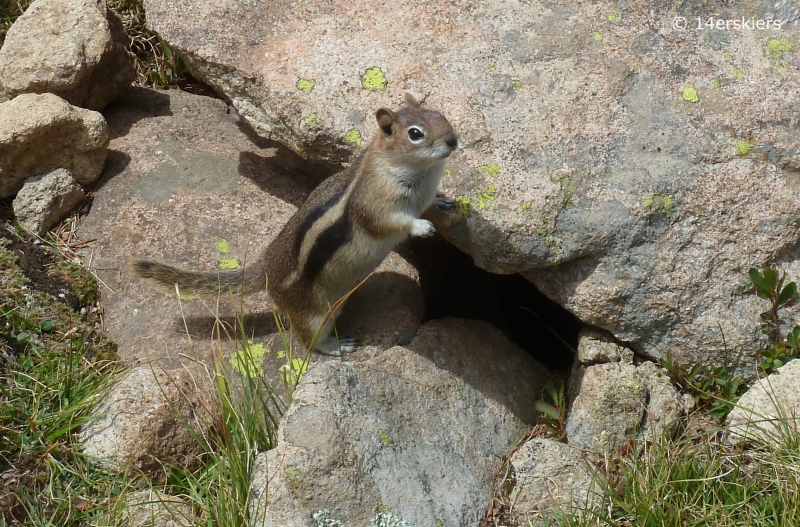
247, 280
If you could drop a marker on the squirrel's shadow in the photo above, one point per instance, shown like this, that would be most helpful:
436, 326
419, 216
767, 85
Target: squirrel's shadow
365, 308
227, 326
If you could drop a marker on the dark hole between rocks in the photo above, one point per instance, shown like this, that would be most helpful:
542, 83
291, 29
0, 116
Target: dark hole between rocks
454, 286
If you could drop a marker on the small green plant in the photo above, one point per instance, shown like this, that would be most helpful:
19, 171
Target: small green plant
770, 286
170, 71
715, 389
553, 408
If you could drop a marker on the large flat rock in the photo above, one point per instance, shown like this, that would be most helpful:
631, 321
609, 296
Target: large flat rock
632, 167
188, 183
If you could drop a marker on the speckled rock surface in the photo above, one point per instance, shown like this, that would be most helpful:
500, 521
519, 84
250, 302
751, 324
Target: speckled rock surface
416, 429
596, 347
75, 49
769, 411
551, 478
45, 199
188, 183
633, 169
41, 133
145, 421
615, 402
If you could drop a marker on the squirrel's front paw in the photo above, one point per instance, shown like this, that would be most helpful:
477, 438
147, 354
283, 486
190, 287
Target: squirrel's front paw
422, 228
444, 203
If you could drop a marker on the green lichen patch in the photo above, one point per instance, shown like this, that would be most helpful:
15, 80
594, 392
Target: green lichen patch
249, 360
716, 84
612, 16
305, 85
743, 147
187, 297
663, 203
491, 169
353, 137
567, 191
386, 518
548, 239
527, 206
293, 478
223, 247
776, 47
386, 438
597, 36
667, 205
516, 85
633, 385
338, 94
491, 69
374, 79
293, 370
312, 121
737, 74
228, 264
463, 205
485, 198
690, 94
324, 519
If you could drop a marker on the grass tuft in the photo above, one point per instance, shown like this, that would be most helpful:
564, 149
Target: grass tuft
699, 481
54, 368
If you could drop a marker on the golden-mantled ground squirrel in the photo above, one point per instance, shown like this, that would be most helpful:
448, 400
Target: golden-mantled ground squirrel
345, 229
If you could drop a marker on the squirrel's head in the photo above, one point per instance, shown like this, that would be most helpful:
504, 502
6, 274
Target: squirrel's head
416, 133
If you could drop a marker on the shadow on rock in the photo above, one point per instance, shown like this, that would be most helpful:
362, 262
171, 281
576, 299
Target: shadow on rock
134, 105
116, 162
254, 325
372, 312
284, 175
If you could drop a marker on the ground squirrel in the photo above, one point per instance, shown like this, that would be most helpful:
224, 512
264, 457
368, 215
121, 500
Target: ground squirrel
345, 229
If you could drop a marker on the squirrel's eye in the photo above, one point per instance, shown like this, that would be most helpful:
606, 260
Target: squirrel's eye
415, 134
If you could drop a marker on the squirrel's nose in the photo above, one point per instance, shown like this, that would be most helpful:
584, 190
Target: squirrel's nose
451, 140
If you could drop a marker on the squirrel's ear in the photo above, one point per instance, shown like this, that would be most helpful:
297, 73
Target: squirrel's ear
386, 120
411, 101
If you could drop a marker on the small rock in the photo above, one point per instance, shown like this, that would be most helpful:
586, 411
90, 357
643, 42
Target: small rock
144, 422
769, 410
551, 477
617, 402
43, 200
597, 347
665, 404
41, 133
417, 429
151, 508
75, 49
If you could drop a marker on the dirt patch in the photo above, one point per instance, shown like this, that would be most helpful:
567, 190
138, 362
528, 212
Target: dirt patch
51, 274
